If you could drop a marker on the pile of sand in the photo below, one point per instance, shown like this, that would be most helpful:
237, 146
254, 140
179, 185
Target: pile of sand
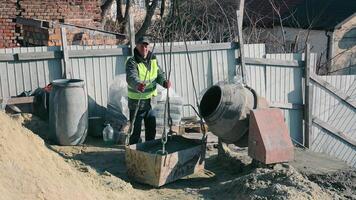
29, 170
280, 182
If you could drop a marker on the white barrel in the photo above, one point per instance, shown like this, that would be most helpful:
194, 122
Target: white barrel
68, 111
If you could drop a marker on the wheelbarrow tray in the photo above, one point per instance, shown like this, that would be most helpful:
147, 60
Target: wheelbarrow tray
145, 164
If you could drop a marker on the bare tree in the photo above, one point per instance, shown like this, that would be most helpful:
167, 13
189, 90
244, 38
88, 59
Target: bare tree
151, 6
123, 10
122, 18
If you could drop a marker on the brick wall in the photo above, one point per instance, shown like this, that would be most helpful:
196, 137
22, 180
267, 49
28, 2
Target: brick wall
8, 13
78, 12
51, 36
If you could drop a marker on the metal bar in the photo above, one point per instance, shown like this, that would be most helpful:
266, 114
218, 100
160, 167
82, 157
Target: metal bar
333, 131
199, 47
32, 22
289, 106
97, 52
308, 98
94, 29
131, 30
240, 14
7, 57
272, 62
18, 100
40, 55
67, 68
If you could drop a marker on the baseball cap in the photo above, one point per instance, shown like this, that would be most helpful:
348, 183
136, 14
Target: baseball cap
143, 39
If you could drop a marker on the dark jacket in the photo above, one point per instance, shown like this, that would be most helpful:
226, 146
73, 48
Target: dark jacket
133, 80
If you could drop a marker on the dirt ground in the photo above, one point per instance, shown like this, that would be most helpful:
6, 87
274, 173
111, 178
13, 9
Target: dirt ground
310, 176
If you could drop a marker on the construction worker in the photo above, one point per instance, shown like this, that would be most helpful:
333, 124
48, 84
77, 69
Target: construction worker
142, 75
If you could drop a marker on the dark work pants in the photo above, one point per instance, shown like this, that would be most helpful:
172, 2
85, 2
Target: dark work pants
149, 117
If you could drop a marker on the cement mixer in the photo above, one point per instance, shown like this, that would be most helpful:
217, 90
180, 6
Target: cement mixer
237, 115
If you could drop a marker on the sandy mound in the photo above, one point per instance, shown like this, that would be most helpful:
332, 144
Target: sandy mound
29, 170
281, 182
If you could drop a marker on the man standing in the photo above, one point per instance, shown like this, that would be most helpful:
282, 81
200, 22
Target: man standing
142, 75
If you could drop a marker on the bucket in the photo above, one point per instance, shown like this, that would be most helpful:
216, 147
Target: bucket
183, 157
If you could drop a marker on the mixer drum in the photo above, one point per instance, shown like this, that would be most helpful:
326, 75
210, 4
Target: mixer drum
226, 107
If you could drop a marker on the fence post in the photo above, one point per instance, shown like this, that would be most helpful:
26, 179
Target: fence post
66, 73
308, 98
240, 14
131, 30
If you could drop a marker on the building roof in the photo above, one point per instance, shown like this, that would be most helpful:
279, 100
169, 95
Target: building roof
314, 14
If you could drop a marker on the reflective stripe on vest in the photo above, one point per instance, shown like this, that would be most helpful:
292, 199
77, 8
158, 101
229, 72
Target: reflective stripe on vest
150, 80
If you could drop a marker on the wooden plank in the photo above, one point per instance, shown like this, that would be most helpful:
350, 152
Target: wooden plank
308, 98
240, 14
66, 64
123, 51
97, 52
198, 47
338, 93
272, 62
7, 57
290, 106
18, 100
59, 55
40, 55
333, 131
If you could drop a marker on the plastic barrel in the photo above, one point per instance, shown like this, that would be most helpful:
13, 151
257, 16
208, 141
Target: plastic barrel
68, 111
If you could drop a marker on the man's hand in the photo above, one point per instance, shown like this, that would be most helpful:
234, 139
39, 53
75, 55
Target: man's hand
167, 84
141, 87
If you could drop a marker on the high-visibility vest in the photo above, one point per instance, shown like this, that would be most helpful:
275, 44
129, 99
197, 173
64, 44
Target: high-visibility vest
150, 81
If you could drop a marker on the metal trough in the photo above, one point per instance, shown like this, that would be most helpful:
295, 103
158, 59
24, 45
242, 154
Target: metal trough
145, 165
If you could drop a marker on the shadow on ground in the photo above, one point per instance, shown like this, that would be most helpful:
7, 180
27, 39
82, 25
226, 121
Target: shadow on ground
111, 158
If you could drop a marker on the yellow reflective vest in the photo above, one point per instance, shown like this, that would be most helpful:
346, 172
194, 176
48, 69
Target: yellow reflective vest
149, 78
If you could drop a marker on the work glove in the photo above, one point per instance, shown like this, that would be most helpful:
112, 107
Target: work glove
141, 87
167, 84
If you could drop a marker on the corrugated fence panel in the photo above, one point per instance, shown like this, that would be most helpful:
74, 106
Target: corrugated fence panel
256, 74
338, 114
284, 84
325, 142
280, 85
333, 110
341, 82
209, 67
181, 75
19, 76
98, 73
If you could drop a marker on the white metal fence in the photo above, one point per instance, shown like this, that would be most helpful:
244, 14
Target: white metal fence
334, 116
333, 113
